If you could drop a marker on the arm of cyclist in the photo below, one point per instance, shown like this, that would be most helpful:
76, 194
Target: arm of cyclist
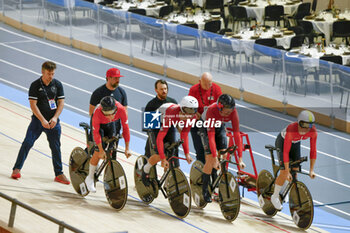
313, 155
185, 145
97, 136
126, 131
160, 145
237, 137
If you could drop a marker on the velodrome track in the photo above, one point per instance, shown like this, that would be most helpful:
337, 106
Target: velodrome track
20, 58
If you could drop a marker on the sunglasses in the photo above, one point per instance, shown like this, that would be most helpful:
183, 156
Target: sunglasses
305, 125
110, 112
189, 110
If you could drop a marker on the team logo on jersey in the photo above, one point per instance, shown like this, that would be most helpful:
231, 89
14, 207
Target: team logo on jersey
151, 120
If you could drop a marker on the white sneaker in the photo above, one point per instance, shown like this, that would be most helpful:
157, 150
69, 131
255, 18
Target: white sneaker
275, 200
90, 184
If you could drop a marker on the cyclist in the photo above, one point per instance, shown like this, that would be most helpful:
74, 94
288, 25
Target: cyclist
288, 143
172, 115
109, 110
214, 138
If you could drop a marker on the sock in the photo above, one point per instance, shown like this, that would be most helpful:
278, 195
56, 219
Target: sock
284, 185
147, 167
92, 169
277, 190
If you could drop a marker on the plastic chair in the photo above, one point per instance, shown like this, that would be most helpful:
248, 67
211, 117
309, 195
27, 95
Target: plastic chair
341, 29
274, 13
309, 31
239, 15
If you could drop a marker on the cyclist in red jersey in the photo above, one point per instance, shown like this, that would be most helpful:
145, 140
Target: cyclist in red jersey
214, 137
107, 111
176, 115
288, 143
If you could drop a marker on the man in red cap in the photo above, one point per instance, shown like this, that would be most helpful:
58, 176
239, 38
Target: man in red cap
110, 88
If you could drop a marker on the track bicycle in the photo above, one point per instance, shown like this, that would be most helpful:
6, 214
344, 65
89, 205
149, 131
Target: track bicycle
114, 179
173, 183
300, 200
229, 196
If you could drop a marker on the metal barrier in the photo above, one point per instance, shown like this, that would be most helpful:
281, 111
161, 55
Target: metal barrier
62, 225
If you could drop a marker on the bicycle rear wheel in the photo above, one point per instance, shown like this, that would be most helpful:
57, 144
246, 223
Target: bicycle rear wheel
197, 183
179, 193
302, 212
146, 193
229, 197
79, 163
265, 178
115, 185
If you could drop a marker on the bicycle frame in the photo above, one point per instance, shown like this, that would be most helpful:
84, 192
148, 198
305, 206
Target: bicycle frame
294, 172
224, 168
171, 169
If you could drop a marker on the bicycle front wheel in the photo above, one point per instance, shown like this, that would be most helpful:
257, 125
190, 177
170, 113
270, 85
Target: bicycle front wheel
78, 170
264, 180
301, 205
229, 197
115, 185
197, 183
178, 192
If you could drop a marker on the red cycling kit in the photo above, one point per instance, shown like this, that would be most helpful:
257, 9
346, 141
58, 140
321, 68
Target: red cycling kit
213, 114
99, 118
170, 117
291, 135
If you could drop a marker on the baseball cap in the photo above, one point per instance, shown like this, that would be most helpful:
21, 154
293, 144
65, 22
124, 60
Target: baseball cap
113, 72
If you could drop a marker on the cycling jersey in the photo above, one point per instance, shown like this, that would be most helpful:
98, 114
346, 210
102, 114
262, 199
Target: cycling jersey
213, 114
99, 118
291, 135
170, 117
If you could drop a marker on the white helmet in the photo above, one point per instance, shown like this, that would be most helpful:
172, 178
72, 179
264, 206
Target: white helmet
306, 119
189, 105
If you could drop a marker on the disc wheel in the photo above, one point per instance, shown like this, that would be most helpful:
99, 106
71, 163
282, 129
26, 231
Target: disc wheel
197, 183
115, 185
146, 193
229, 197
179, 193
302, 210
265, 178
78, 170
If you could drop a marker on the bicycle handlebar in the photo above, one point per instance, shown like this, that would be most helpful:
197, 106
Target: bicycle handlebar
229, 150
173, 145
112, 139
299, 161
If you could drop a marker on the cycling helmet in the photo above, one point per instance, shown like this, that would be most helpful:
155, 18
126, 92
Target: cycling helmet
226, 101
108, 105
306, 119
189, 105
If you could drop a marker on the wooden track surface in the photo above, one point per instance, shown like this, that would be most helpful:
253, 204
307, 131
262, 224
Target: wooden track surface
92, 213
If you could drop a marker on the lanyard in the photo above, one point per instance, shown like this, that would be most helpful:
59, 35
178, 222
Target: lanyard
47, 96
200, 93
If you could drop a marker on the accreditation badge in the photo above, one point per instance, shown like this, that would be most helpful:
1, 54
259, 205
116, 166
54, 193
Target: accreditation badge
52, 104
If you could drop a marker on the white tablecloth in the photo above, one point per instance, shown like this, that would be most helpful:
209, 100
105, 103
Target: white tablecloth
247, 44
150, 11
198, 19
326, 26
258, 11
313, 61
